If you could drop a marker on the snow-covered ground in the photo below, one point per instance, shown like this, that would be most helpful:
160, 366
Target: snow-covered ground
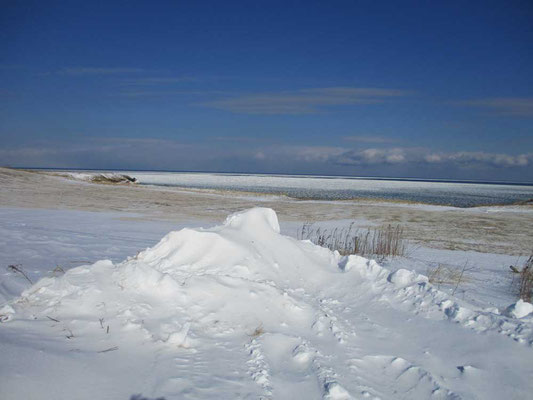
241, 311
43, 240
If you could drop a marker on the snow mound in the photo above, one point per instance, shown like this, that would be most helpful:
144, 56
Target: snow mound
520, 309
403, 278
257, 219
232, 278
244, 290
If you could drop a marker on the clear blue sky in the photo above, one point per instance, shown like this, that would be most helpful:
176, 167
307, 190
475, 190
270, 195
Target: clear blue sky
420, 89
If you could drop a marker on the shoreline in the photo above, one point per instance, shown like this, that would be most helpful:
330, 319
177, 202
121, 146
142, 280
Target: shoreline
273, 174
500, 229
391, 194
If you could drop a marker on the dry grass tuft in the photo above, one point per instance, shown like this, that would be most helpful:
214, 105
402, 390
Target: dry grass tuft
385, 241
257, 332
17, 269
525, 279
58, 270
112, 179
446, 275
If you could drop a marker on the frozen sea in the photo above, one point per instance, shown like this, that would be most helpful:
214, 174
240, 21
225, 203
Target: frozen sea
330, 188
458, 194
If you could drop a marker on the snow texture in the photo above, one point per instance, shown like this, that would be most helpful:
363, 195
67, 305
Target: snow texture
241, 311
520, 309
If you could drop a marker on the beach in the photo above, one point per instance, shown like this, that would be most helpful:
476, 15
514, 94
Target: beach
492, 229
195, 293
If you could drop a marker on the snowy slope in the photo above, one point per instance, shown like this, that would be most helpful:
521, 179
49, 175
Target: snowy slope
42, 240
241, 311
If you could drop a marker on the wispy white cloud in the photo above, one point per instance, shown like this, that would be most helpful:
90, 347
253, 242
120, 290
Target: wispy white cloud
106, 152
394, 156
298, 153
468, 158
108, 144
312, 153
372, 156
512, 106
462, 159
83, 71
12, 67
369, 138
174, 154
304, 101
133, 93
243, 139
158, 81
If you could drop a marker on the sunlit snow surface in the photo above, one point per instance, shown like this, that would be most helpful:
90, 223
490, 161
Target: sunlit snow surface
241, 311
342, 188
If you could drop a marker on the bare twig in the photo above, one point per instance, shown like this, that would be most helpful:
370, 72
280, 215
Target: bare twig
447, 274
17, 268
525, 279
460, 278
52, 319
58, 270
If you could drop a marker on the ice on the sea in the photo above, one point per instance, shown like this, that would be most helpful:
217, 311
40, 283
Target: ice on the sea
458, 194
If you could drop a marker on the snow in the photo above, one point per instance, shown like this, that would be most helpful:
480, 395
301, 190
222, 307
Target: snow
520, 309
42, 240
404, 278
240, 310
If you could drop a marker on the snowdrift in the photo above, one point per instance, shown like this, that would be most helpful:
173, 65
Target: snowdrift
298, 312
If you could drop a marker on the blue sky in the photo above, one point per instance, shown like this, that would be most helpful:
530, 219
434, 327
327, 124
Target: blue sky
418, 89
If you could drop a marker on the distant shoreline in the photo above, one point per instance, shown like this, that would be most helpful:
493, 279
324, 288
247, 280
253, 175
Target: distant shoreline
295, 175
496, 229
326, 188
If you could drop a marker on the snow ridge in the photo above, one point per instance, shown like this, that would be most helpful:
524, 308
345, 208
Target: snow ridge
413, 291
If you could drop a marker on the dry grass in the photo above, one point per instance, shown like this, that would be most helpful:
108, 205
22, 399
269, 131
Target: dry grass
524, 283
58, 270
112, 179
446, 275
385, 241
17, 269
257, 332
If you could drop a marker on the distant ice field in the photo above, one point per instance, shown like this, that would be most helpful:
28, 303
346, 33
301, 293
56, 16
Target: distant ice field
458, 194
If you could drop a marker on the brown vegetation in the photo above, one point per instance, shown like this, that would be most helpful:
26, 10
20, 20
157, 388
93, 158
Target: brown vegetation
384, 241
525, 279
